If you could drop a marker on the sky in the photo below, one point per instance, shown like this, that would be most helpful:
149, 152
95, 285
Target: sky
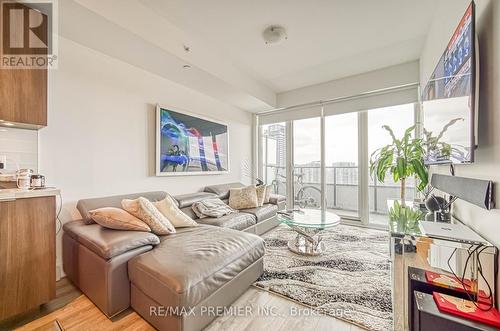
342, 135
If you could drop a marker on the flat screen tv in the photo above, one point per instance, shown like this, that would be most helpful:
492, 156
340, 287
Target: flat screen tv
449, 99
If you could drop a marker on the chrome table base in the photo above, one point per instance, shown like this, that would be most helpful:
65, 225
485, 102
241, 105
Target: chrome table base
308, 242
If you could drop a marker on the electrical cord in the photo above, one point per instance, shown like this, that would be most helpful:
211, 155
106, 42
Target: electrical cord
461, 279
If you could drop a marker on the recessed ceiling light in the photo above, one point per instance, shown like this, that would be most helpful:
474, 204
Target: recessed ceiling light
274, 34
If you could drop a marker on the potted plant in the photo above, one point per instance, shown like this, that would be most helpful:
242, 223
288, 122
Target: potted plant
402, 158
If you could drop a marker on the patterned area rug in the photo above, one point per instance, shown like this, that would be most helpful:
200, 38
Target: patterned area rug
350, 281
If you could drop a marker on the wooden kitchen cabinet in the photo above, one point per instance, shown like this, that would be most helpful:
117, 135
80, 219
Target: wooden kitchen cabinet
27, 254
23, 96
23, 92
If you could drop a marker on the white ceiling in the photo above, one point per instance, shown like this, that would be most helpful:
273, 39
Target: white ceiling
327, 39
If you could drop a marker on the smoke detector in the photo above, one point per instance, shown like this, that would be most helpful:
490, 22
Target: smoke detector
274, 34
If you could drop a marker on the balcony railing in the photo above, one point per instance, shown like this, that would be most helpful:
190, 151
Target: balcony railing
341, 186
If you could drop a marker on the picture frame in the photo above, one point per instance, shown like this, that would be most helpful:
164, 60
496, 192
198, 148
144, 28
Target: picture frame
190, 144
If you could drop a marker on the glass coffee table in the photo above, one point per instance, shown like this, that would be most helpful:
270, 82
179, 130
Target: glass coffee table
308, 223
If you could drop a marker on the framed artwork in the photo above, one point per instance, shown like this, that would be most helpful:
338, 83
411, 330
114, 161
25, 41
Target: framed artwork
188, 144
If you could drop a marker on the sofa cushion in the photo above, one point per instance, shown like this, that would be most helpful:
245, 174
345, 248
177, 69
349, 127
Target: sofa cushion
262, 213
239, 221
222, 190
108, 243
86, 205
190, 265
187, 200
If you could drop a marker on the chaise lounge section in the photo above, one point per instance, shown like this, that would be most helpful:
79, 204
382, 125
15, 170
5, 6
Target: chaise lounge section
208, 265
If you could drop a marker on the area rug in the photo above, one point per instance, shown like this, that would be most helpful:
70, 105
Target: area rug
351, 280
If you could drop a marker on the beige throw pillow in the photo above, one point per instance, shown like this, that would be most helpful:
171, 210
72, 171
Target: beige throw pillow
267, 196
118, 219
168, 208
242, 198
146, 211
261, 194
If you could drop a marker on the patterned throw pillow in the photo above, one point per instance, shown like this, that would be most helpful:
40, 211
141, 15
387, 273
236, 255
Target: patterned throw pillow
242, 198
118, 219
146, 211
268, 194
261, 194
168, 208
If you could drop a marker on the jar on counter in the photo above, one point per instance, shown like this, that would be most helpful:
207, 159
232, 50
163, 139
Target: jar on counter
37, 181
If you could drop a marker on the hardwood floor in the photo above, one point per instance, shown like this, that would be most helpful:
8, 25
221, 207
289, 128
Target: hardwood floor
65, 293
283, 317
80, 313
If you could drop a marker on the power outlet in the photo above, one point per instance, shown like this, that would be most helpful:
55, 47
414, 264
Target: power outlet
3, 162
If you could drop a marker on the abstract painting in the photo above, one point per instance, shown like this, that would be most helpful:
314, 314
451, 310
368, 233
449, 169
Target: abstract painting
187, 144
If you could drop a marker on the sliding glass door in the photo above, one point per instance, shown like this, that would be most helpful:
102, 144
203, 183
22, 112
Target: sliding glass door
307, 163
323, 161
341, 164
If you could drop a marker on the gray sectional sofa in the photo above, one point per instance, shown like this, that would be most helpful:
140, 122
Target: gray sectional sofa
169, 280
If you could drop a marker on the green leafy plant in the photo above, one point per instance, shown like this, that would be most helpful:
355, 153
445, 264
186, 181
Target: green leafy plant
405, 219
402, 158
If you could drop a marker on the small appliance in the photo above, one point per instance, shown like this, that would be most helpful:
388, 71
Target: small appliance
37, 181
23, 177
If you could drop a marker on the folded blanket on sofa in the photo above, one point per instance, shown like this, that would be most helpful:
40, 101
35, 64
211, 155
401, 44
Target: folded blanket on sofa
212, 208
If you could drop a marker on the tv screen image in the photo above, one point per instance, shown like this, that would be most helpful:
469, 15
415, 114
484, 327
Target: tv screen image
188, 144
449, 99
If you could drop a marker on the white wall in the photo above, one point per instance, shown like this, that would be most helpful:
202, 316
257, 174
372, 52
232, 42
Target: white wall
20, 147
397, 75
487, 163
101, 136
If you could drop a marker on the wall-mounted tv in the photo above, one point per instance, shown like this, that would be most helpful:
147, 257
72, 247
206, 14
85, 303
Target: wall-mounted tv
449, 99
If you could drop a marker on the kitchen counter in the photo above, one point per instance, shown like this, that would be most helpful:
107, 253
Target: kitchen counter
15, 193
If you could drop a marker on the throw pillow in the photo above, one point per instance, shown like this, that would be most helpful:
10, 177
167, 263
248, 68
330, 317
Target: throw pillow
146, 211
168, 208
261, 194
118, 219
267, 196
242, 198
